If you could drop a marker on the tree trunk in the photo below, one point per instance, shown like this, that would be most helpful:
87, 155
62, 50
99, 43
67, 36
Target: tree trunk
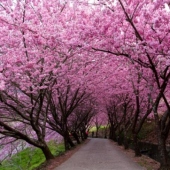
76, 137
66, 140
125, 140
105, 132
120, 137
125, 143
97, 131
119, 140
70, 142
66, 144
136, 145
47, 153
84, 134
164, 165
112, 134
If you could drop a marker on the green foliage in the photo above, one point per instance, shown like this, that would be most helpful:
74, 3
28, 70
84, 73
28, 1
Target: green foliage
93, 129
103, 126
30, 158
147, 128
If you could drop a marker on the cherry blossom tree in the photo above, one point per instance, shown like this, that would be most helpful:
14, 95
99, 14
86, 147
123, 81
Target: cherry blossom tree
139, 31
79, 121
31, 58
62, 105
55, 54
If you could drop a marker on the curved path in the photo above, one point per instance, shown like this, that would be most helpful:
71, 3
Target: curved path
99, 154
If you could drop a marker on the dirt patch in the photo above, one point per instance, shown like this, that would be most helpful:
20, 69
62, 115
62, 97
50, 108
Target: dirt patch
51, 164
144, 161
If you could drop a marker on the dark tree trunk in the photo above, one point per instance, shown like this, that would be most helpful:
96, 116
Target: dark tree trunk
164, 165
119, 140
76, 137
136, 145
84, 134
120, 137
97, 131
47, 153
125, 141
162, 127
66, 144
105, 132
70, 141
67, 141
112, 134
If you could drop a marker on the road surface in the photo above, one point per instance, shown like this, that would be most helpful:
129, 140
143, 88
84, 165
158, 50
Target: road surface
99, 154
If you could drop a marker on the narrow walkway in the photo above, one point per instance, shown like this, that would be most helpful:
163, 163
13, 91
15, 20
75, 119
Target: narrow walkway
99, 154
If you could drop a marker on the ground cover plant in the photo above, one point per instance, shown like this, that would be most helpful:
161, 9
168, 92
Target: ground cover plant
30, 158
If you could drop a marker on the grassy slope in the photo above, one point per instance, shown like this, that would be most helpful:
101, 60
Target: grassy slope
30, 158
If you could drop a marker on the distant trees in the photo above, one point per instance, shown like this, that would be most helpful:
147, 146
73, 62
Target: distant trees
120, 112
80, 120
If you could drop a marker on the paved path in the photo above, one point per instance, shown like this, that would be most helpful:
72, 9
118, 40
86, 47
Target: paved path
99, 154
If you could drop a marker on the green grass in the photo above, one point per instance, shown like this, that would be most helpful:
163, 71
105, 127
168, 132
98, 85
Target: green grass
30, 158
